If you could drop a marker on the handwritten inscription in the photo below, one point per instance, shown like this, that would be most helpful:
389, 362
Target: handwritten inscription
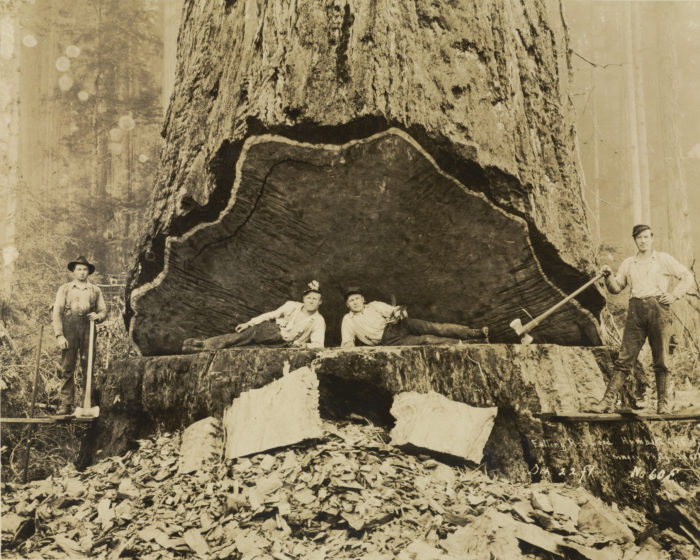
661, 474
564, 472
623, 449
587, 470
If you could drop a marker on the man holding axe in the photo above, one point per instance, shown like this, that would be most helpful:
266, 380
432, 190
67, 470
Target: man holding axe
79, 304
648, 315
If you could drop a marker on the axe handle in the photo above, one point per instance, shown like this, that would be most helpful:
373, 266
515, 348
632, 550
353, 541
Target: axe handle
88, 374
537, 320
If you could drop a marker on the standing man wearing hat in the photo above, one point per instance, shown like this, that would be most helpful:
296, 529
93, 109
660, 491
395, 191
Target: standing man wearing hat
648, 315
378, 323
77, 304
296, 324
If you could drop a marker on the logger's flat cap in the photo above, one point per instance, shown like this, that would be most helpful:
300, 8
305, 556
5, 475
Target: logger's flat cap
81, 260
352, 290
639, 228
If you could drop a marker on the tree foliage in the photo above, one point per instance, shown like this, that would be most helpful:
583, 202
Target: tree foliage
104, 107
91, 92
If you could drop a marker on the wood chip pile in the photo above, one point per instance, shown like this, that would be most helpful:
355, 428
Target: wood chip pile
348, 494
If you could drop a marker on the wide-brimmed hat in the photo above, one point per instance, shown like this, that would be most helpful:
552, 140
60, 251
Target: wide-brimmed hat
81, 260
352, 290
312, 286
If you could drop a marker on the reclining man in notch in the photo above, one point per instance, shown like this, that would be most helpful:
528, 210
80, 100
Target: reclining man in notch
378, 323
296, 324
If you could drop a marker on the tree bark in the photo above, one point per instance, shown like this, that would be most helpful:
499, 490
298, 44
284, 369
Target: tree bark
476, 140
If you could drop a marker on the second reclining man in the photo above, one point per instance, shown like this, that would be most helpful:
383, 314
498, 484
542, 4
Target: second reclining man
378, 323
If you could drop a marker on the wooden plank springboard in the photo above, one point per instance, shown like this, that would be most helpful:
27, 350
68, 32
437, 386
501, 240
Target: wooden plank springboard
46, 420
688, 414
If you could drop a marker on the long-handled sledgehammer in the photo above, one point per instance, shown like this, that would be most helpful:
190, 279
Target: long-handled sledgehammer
522, 331
87, 411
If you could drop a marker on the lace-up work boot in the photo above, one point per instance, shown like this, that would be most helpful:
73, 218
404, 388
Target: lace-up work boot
482, 333
662, 404
607, 403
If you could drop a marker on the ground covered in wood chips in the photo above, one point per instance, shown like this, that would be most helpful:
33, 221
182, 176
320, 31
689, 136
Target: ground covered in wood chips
347, 495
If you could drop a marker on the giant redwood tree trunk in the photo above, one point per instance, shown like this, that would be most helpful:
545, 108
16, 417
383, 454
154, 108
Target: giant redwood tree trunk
421, 149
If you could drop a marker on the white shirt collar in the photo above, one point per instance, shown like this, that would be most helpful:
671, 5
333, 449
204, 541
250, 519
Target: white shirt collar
653, 256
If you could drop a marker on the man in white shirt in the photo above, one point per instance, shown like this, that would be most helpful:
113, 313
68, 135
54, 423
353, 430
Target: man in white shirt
297, 324
377, 323
648, 315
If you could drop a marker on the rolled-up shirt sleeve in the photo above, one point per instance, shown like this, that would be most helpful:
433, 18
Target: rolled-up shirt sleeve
622, 273
57, 315
384, 309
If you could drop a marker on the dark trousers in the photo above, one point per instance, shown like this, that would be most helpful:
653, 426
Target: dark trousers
415, 332
76, 329
266, 334
646, 318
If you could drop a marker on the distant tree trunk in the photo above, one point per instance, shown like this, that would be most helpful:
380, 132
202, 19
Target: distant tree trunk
633, 133
673, 195
643, 151
52, 137
9, 135
96, 176
104, 87
128, 195
670, 146
172, 13
595, 139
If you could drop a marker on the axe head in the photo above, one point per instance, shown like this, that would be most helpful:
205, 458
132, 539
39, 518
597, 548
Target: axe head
517, 326
525, 339
92, 412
